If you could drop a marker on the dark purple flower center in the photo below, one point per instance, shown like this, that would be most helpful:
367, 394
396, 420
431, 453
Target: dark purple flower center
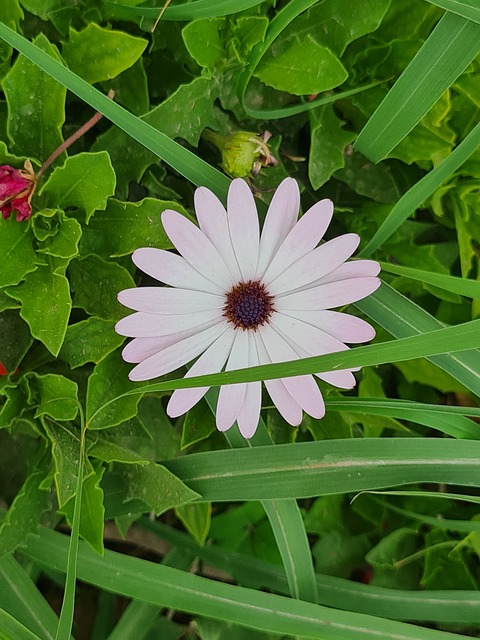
248, 305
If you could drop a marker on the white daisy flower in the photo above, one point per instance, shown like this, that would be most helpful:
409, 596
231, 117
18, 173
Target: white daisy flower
239, 298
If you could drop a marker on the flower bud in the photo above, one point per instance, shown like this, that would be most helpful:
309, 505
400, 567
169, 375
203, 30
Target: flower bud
243, 153
17, 187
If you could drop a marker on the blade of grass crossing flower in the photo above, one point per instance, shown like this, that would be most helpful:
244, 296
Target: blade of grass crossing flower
20, 598
250, 608
396, 604
187, 11
449, 49
65, 622
11, 629
307, 469
462, 286
422, 190
285, 519
179, 158
469, 9
402, 317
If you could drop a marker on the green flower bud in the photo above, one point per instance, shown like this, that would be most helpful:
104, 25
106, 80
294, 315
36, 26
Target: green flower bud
243, 153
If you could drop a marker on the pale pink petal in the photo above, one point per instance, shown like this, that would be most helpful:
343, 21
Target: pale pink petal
315, 264
353, 269
212, 219
165, 300
249, 415
211, 361
303, 388
172, 269
141, 348
279, 221
290, 410
150, 325
244, 228
304, 237
342, 326
178, 354
327, 296
231, 396
196, 248
343, 379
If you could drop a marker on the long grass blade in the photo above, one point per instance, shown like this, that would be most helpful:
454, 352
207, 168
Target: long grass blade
187, 11
469, 9
462, 286
450, 48
11, 629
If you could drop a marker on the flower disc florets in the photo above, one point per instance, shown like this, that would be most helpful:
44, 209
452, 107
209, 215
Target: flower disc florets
248, 305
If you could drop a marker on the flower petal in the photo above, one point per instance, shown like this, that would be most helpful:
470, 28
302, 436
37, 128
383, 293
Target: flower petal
178, 354
211, 361
231, 396
212, 219
343, 326
315, 264
302, 239
353, 269
334, 294
303, 388
172, 269
165, 300
343, 379
150, 325
249, 415
196, 248
281, 398
244, 228
279, 221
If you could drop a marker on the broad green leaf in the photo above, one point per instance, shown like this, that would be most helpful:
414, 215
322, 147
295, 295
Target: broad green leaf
305, 67
393, 548
13, 406
46, 305
97, 54
450, 48
156, 486
10, 14
336, 552
95, 283
327, 145
198, 424
15, 339
23, 517
203, 41
56, 395
65, 451
32, 94
196, 519
444, 570
89, 340
108, 381
85, 181
91, 512
64, 244
40, 8
131, 89
126, 226
111, 452
376, 182
17, 255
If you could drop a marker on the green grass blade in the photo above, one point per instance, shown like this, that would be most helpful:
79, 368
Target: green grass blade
428, 494
462, 286
183, 591
179, 158
402, 317
422, 190
11, 629
307, 469
450, 48
187, 11
396, 604
469, 9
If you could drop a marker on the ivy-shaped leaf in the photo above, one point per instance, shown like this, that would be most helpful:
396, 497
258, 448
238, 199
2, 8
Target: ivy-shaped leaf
89, 340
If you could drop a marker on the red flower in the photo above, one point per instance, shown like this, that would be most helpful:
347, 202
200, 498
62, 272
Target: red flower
16, 190
3, 371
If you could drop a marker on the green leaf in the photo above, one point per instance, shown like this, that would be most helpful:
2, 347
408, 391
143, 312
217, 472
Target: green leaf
57, 395
24, 515
444, 570
91, 511
11, 629
156, 486
109, 381
377, 182
112, 452
65, 451
64, 244
199, 423
12, 408
89, 340
126, 226
17, 255
327, 145
85, 181
32, 94
15, 339
10, 14
336, 552
196, 519
46, 305
98, 54
203, 41
384, 556
95, 283
462, 286
467, 8
305, 67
